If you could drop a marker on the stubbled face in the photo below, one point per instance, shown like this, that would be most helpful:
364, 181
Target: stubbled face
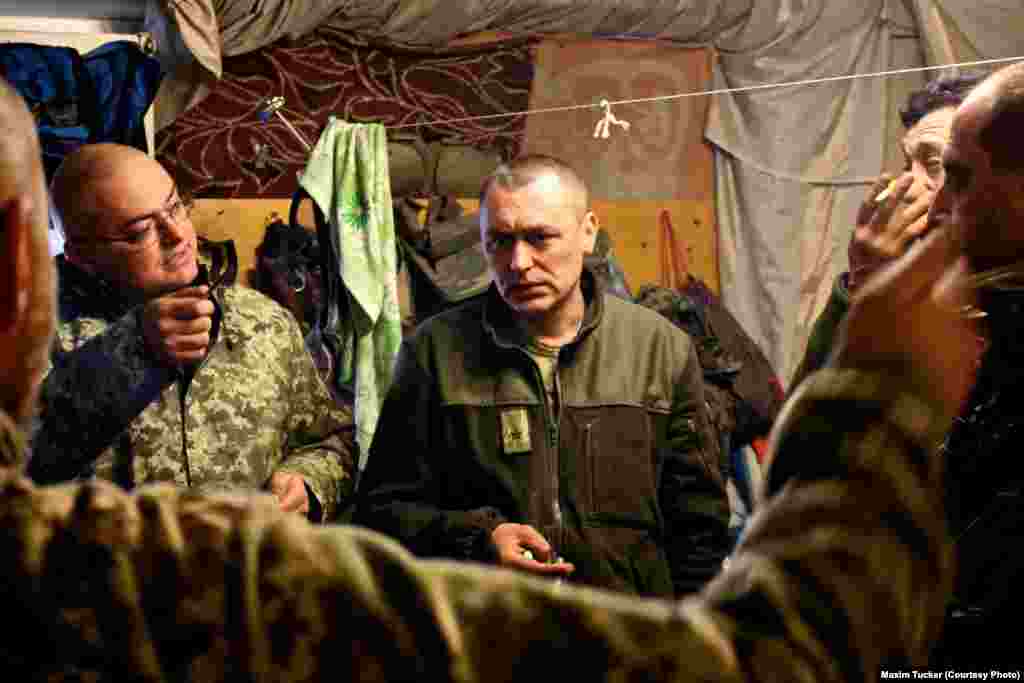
145, 241
923, 146
535, 238
984, 205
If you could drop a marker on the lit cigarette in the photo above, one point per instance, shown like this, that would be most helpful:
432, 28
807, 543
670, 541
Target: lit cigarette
886, 192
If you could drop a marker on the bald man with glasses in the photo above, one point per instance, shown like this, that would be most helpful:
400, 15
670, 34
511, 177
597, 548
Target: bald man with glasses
166, 371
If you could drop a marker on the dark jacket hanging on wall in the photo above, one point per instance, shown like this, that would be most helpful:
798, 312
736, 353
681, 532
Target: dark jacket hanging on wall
740, 383
76, 99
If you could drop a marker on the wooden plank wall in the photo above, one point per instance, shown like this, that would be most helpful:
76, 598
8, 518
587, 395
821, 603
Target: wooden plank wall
633, 226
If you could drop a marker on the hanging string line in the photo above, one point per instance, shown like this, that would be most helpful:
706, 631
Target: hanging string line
720, 91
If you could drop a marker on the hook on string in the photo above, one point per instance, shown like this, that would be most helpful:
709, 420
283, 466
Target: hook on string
602, 129
606, 122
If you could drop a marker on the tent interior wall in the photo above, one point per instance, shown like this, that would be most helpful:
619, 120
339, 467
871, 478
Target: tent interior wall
762, 186
632, 223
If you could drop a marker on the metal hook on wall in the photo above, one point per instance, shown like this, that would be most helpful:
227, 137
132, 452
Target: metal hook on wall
272, 107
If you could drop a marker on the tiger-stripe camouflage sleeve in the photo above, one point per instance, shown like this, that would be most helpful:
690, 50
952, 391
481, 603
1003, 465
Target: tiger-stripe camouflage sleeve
847, 565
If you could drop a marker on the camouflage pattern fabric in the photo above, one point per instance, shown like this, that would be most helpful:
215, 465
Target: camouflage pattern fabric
845, 569
12, 443
254, 406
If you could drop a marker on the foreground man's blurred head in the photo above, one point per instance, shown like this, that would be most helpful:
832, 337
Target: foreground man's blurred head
27, 277
983, 193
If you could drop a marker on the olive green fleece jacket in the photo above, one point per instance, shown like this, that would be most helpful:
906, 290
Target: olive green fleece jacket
823, 334
618, 482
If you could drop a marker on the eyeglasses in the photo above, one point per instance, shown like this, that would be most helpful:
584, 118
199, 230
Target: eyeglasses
142, 232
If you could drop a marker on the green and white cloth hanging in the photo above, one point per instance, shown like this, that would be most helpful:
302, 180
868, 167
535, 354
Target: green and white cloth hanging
347, 176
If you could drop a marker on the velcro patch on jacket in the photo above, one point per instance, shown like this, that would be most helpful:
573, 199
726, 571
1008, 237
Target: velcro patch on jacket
515, 431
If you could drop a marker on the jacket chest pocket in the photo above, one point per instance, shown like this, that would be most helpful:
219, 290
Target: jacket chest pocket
618, 474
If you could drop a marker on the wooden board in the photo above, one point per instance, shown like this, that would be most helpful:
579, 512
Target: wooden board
244, 221
633, 226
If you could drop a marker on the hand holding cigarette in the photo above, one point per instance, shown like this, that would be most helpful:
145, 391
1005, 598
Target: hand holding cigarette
894, 215
884, 194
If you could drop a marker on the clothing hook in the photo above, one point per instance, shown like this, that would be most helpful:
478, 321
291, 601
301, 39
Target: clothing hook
602, 130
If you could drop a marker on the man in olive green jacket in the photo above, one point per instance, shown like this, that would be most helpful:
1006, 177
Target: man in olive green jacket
844, 571
549, 426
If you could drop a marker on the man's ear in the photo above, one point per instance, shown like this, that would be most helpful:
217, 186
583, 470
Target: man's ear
589, 226
15, 263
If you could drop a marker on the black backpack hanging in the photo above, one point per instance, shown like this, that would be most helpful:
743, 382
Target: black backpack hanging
331, 329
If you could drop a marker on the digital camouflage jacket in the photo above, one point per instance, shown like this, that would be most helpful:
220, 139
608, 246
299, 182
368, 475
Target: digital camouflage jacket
618, 481
843, 571
255, 405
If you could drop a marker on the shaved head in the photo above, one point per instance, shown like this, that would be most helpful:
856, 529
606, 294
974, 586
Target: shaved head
74, 184
125, 221
26, 269
536, 227
528, 169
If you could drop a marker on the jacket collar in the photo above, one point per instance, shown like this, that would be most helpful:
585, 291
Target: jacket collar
84, 294
501, 322
1005, 309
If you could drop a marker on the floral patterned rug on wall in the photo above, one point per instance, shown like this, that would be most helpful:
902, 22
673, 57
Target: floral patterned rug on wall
224, 148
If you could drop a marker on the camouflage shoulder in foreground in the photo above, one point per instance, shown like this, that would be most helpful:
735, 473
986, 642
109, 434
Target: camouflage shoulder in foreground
174, 586
12, 443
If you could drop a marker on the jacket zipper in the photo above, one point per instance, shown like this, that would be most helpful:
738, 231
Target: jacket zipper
556, 463
183, 386
553, 461
588, 458
183, 383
